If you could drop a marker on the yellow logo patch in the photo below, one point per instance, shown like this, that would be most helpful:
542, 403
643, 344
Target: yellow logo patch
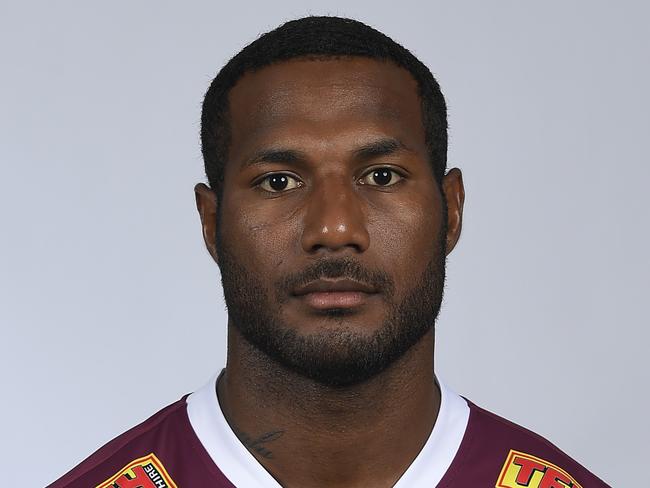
144, 472
524, 470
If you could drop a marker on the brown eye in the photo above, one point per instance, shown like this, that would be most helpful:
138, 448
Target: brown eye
279, 182
380, 177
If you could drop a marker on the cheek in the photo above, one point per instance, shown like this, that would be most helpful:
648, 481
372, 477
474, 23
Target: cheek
260, 240
406, 237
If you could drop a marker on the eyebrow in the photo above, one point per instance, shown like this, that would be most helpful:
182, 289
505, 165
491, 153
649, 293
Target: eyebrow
275, 156
381, 147
368, 151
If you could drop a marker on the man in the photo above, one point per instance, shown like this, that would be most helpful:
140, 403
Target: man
330, 214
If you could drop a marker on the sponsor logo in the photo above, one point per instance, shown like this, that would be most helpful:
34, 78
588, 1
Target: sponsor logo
144, 472
521, 469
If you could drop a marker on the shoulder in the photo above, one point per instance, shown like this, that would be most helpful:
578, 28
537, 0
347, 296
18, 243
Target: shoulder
499, 451
141, 452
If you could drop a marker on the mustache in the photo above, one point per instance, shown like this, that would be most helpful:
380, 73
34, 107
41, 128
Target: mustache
337, 268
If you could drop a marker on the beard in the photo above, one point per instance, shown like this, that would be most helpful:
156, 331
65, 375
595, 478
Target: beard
334, 357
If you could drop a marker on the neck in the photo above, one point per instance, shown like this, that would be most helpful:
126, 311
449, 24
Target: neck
306, 434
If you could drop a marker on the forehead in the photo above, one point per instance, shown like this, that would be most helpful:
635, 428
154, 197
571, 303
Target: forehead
324, 97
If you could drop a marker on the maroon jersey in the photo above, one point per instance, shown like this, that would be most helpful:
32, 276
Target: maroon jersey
189, 444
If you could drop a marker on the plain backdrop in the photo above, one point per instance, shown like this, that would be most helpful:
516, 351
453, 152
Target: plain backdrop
110, 307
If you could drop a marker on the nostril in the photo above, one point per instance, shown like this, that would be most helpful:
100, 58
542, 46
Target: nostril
334, 222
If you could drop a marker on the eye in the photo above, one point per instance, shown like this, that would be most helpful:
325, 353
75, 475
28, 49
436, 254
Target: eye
278, 182
381, 177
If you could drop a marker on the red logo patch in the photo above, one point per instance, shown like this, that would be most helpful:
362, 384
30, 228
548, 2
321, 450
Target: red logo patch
525, 470
144, 472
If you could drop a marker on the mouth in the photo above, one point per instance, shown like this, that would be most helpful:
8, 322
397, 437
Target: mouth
327, 294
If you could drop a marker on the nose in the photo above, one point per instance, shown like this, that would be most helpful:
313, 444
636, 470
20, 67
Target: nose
335, 220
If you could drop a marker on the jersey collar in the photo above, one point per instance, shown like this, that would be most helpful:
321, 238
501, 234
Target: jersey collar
243, 470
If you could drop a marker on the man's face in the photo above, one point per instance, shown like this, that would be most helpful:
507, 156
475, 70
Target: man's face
332, 229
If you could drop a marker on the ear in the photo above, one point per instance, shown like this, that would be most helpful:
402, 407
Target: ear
454, 194
206, 204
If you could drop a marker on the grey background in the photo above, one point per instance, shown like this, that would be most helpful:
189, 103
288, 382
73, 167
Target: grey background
110, 307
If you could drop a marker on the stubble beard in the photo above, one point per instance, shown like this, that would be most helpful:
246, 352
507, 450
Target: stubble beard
335, 356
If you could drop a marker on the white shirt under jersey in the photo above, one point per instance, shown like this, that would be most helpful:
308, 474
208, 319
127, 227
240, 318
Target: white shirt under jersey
242, 469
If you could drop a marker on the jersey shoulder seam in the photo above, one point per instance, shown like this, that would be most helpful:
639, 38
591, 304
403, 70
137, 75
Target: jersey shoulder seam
117, 444
514, 426
537, 437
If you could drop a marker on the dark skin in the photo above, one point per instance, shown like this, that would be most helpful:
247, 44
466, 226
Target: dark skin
335, 121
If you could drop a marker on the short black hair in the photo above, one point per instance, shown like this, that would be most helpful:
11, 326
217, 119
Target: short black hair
316, 37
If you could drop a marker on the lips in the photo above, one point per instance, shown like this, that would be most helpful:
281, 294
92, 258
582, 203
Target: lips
334, 285
335, 293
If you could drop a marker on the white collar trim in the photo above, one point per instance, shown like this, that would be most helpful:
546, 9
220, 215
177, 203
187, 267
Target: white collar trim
243, 470
433, 461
